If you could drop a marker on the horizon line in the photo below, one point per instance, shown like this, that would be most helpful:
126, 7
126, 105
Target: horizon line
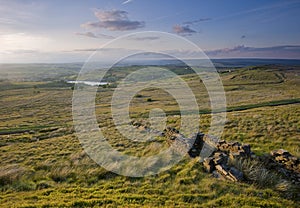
225, 58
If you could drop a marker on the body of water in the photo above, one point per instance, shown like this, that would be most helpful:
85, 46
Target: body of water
90, 83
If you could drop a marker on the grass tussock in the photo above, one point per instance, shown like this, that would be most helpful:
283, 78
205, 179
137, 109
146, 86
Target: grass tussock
10, 174
257, 174
61, 173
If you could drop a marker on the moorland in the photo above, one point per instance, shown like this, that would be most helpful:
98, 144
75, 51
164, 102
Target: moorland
42, 163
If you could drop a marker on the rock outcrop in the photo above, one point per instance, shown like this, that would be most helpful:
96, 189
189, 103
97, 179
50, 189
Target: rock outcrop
218, 162
288, 161
217, 155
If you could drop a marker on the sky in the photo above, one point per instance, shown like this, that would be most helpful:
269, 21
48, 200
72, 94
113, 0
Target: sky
60, 31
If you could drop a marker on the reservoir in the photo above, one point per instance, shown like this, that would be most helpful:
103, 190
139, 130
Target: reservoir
90, 83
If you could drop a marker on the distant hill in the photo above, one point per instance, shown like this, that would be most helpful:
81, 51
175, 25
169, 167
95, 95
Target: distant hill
66, 71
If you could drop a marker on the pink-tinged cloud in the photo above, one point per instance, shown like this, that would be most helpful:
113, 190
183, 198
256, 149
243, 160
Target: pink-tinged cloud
115, 20
183, 30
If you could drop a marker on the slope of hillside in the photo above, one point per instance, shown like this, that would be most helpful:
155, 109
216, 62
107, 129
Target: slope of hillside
42, 163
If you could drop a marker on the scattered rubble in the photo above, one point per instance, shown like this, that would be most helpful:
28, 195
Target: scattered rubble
284, 163
216, 155
283, 157
219, 160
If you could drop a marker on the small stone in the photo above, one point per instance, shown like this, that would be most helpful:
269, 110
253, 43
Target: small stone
208, 164
247, 149
237, 155
142, 128
222, 169
220, 143
235, 146
173, 137
293, 158
216, 174
220, 158
289, 163
236, 174
281, 158
283, 152
162, 134
194, 152
274, 153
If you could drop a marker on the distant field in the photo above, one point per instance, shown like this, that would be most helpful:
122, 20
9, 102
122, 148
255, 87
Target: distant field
42, 163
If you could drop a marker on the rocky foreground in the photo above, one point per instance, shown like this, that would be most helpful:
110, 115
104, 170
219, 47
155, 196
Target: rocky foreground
223, 156
224, 160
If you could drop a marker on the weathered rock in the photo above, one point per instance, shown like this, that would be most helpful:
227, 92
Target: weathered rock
220, 158
234, 146
224, 147
237, 155
283, 152
142, 128
223, 169
214, 154
247, 149
280, 152
172, 137
206, 151
236, 174
216, 174
220, 143
287, 161
209, 164
197, 146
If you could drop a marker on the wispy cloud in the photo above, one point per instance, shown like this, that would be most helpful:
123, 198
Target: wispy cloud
183, 30
196, 21
241, 51
100, 49
146, 38
19, 51
18, 12
82, 50
115, 20
281, 5
127, 1
93, 35
285, 51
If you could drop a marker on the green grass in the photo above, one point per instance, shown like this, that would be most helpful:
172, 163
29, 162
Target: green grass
42, 163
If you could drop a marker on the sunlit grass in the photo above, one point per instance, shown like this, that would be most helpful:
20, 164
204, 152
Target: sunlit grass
46, 165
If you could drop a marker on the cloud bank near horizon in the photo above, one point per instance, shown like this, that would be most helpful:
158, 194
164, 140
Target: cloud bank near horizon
241, 51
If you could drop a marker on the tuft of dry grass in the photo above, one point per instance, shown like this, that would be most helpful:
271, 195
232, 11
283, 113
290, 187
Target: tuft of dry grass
10, 173
255, 172
61, 173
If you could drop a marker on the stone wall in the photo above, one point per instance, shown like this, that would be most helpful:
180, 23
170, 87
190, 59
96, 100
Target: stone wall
216, 155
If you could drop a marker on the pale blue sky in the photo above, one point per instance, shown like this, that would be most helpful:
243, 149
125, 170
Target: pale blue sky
67, 30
